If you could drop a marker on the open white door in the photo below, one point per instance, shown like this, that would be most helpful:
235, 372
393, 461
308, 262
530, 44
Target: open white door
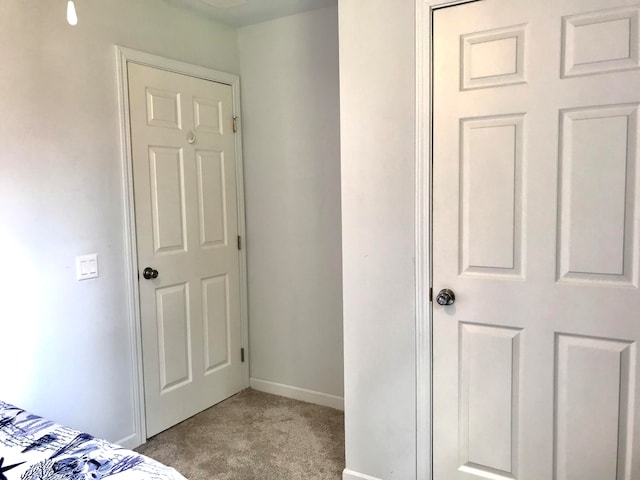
536, 230
183, 154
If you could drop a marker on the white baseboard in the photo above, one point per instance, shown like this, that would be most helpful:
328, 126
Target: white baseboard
130, 442
298, 393
351, 475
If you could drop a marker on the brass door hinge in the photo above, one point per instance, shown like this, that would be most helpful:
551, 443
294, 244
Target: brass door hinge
431, 294
235, 124
242, 355
239, 242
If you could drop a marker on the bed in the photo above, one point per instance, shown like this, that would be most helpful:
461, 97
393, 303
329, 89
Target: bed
33, 448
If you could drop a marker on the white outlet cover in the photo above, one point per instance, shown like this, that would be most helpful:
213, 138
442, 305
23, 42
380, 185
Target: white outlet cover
87, 266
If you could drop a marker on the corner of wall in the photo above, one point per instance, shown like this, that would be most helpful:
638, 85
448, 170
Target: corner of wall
131, 442
297, 393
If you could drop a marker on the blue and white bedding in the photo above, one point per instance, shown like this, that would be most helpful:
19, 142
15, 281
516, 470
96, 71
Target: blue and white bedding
33, 448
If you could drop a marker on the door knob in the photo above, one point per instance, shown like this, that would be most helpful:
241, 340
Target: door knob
446, 297
149, 273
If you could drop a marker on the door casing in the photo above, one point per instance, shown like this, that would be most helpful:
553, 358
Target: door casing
423, 188
123, 57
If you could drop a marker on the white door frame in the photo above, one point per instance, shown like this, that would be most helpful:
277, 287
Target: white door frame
424, 160
123, 57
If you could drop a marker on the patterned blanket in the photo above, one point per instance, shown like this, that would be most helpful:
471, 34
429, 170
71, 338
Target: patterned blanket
32, 448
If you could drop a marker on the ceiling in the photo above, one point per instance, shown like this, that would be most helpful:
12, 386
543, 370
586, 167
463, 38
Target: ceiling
239, 13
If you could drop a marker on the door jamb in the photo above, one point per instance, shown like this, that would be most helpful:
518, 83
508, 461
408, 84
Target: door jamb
123, 57
423, 232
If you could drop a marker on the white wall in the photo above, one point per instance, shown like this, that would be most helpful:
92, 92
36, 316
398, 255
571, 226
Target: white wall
377, 117
64, 345
289, 75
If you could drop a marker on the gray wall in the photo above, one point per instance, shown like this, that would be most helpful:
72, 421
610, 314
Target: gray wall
377, 114
64, 344
289, 75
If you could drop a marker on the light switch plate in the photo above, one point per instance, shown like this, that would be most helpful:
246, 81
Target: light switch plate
87, 266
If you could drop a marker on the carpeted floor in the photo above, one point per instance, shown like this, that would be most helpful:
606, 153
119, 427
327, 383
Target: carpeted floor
255, 436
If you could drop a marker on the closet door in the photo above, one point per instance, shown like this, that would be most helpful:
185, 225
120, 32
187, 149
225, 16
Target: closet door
535, 231
186, 227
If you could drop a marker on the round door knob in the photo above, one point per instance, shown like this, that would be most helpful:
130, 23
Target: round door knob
149, 273
446, 297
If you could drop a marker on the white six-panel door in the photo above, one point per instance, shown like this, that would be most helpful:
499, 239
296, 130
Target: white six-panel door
186, 225
536, 230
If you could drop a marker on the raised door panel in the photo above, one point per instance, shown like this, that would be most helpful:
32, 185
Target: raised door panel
489, 400
595, 405
215, 294
600, 42
164, 108
493, 58
597, 226
491, 199
174, 337
168, 200
212, 198
208, 115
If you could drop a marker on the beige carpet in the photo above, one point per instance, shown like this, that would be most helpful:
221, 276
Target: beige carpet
255, 436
